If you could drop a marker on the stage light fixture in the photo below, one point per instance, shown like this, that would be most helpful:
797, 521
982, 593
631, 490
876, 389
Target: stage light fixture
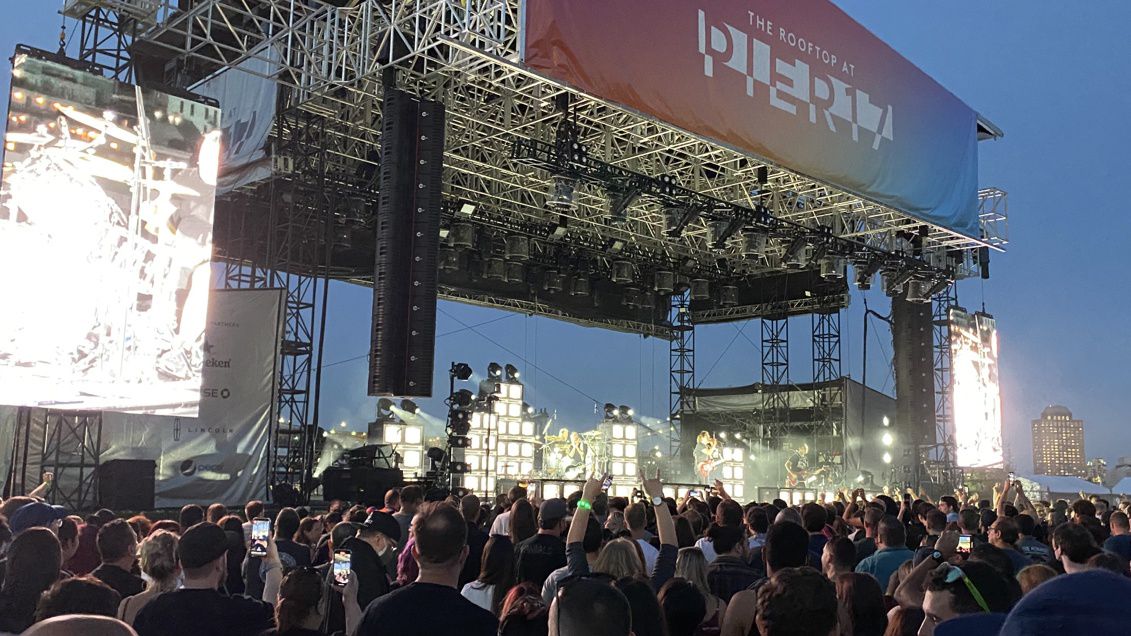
465, 208
728, 296
895, 280
495, 371
620, 197
611, 411
918, 291
384, 407
700, 289
580, 286
622, 272
459, 441
436, 454
678, 217
459, 468
461, 370
495, 269
563, 193
939, 287
512, 373
462, 398
887, 457
794, 257
886, 421
832, 267
462, 235
887, 439
410, 407
625, 413
516, 247
754, 243
664, 281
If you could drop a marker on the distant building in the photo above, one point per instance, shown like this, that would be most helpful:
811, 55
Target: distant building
1058, 444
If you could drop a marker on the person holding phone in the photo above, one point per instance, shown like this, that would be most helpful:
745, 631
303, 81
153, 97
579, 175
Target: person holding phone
199, 607
299, 606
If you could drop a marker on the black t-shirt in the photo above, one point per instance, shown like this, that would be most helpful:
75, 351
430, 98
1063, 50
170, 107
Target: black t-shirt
121, 581
203, 613
426, 609
537, 556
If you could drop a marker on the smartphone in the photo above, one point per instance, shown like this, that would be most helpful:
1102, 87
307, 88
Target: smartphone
260, 530
965, 544
694, 493
341, 567
608, 482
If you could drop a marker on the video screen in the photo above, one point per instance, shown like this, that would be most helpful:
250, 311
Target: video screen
975, 392
106, 204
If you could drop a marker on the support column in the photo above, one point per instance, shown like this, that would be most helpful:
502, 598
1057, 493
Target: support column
944, 424
681, 368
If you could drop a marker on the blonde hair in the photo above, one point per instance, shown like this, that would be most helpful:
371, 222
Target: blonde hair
620, 558
1031, 576
157, 557
692, 565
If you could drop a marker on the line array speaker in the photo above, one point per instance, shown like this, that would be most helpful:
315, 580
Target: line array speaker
913, 344
409, 206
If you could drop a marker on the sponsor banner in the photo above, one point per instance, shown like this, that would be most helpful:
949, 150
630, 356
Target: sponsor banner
800, 84
222, 454
247, 97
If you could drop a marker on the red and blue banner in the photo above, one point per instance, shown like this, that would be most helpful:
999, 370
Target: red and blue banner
799, 84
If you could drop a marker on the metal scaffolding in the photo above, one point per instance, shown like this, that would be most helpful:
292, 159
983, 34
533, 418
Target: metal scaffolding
940, 460
775, 415
681, 367
826, 365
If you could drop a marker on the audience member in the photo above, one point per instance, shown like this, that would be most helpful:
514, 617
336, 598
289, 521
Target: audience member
1120, 540
590, 607
797, 602
411, 497
684, 607
440, 548
33, 564
1033, 575
117, 547
904, 621
591, 543
1073, 545
251, 511
729, 573
298, 609
502, 523
157, 557
1091, 602
538, 556
292, 554
375, 538
691, 566
523, 522
496, 575
891, 551
199, 607
77, 595
838, 557
970, 588
471, 509
79, 624
191, 515
1027, 543
216, 512
863, 612
636, 518
1003, 533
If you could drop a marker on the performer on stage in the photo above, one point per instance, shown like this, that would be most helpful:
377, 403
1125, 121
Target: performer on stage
708, 456
797, 466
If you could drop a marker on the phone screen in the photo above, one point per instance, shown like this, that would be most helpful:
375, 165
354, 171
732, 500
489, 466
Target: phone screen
260, 530
965, 543
608, 482
694, 493
341, 567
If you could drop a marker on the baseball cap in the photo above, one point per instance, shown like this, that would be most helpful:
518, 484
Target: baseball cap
35, 514
384, 523
202, 544
553, 509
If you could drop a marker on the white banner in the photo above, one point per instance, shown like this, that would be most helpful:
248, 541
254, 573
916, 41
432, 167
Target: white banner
220, 456
247, 98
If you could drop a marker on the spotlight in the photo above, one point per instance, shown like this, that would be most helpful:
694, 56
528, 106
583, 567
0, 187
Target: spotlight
677, 218
459, 441
738, 435
723, 435
888, 439
700, 289
459, 468
563, 193
625, 412
512, 373
832, 267
886, 421
918, 291
462, 398
795, 254
887, 457
466, 208
611, 411
620, 197
516, 247
461, 370
728, 296
410, 406
895, 280
754, 244
528, 409
459, 422
384, 407
495, 371
938, 287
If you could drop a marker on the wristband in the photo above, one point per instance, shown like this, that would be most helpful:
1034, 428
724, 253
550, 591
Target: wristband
584, 505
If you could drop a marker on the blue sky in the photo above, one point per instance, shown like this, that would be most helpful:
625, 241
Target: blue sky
1053, 79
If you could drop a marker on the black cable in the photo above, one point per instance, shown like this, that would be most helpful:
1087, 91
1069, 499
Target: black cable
446, 333
724, 352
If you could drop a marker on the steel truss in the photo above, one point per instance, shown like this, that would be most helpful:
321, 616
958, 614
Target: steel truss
939, 460
826, 366
775, 415
466, 52
297, 235
681, 368
66, 443
105, 36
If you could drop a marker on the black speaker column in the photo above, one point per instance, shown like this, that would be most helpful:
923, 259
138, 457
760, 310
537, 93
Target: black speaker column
912, 341
408, 237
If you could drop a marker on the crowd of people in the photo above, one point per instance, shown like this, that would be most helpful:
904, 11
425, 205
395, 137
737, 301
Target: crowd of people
430, 564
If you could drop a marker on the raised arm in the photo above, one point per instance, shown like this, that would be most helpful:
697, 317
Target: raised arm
41, 490
849, 516
910, 591
575, 551
664, 569
1001, 497
721, 490
274, 577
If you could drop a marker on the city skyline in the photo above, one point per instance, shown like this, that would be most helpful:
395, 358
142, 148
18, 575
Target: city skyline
1035, 291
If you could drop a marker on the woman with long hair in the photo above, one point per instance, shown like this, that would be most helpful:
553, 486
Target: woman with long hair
647, 617
523, 523
308, 533
620, 558
862, 605
34, 561
691, 565
299, 606
157, 558
496, 574
905, 621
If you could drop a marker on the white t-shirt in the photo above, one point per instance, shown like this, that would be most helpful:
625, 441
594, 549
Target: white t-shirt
479, 593
502, 524
650, 555
707, 546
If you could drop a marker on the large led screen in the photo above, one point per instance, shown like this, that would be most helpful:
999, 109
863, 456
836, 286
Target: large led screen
975, 393
105, 241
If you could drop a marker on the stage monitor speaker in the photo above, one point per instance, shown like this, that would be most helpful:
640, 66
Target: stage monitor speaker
127, 484
360, 485
402, 344
913, 344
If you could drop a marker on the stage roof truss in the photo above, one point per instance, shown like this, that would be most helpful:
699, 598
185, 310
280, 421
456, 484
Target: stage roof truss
467, 54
